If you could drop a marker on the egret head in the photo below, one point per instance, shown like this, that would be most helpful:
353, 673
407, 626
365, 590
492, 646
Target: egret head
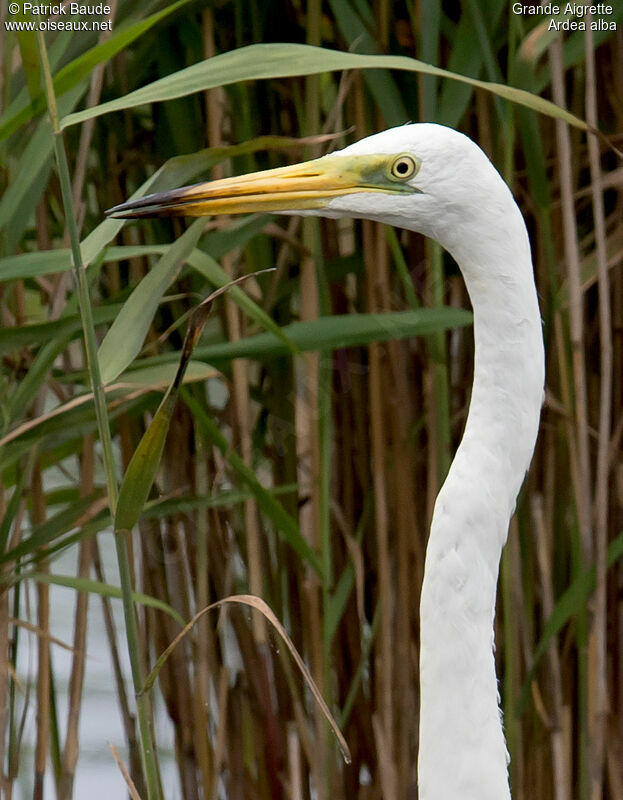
415, 176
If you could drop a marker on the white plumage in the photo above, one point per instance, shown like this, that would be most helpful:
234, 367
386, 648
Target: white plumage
465, 205
433, 180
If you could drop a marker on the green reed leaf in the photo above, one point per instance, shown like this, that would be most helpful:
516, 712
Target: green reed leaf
261, 61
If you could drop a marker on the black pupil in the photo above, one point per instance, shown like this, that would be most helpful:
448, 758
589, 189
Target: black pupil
402, 167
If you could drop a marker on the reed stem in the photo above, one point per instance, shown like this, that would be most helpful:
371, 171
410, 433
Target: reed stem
150, 766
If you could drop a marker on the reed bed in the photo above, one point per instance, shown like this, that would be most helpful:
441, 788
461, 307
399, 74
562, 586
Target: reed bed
299, 458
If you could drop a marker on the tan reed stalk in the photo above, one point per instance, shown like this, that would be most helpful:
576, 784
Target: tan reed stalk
203, 641
408, 560
560, 756
308, 409
220, 748
376, 262
572, 258
576, 331
43, 646
598, 686
294, 764
240, 367
71, 748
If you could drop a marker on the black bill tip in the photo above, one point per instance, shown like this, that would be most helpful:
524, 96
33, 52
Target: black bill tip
174, 203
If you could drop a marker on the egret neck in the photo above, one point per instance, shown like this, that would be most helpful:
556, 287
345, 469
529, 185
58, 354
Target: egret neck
463, 753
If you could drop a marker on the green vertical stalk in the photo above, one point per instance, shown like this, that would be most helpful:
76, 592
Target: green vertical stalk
509, 138
582, 627
90, 347
430, 27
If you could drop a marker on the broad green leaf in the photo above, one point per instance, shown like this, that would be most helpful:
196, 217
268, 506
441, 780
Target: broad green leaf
169, 506
324, 333
76, 416
31, 384
260, 61
21, 104
28, 51
162, 375
125, 338
141, 471
23, 215
330, 333
30, 265
19, 113
64, 328
46, 532
237, 233
37, 153
101, 589
64, 543
47, 262
13, 505
57, 433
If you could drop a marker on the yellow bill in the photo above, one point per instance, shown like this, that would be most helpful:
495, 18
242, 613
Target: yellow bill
309, 185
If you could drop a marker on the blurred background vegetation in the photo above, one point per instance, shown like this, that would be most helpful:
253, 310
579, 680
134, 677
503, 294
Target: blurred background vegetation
322, 405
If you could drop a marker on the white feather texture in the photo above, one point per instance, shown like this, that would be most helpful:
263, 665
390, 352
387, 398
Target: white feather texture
465, 205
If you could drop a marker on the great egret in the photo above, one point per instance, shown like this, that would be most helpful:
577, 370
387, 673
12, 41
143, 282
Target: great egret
434, 180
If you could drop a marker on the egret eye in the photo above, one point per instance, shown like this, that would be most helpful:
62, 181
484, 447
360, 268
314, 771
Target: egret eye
403, 168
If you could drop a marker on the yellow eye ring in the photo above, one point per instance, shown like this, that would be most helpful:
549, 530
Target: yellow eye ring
403, 168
